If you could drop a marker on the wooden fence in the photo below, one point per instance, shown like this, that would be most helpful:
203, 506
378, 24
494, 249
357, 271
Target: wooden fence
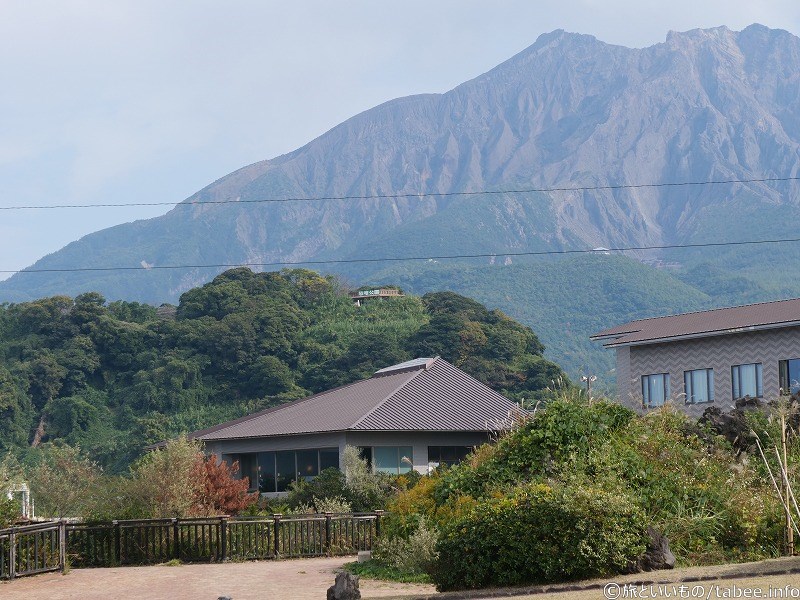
219, 538
45, 547
32, 549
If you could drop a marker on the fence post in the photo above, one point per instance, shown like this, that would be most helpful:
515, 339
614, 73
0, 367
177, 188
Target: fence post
328, 528
176, 545
223, 537
12, 554
117, 543
62, 544
378, 515
277, 533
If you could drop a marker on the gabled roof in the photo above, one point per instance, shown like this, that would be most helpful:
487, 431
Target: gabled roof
720, 321
426, 394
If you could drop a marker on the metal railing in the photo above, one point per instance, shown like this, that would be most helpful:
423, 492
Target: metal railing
32, 549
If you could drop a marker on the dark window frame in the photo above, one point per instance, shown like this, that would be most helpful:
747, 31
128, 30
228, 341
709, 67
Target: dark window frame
646, 389
435, 454
689, 386
234, 456
736, 380
784, 377
399, 455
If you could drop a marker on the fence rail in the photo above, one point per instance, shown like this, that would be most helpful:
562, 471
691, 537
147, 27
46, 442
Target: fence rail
32, 549
219, 538
46, 547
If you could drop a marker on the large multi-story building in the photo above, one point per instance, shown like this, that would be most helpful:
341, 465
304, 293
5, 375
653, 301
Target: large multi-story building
710, 357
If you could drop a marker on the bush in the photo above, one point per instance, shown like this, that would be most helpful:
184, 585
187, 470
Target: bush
330, 483
711, 507
412, 556
9, 511
334, 505
539, 534
63, 482
368, 490
564, 430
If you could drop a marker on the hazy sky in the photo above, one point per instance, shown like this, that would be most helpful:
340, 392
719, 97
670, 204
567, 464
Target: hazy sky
123, 101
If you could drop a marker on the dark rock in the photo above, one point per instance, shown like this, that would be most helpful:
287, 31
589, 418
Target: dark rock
657, 556
748, 403
345, 587
733, 426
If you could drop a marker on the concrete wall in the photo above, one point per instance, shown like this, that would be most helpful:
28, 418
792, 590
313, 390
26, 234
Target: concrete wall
719, 353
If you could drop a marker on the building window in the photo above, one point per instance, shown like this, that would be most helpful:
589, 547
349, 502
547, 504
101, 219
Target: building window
392, 459
789, 375
365, 454
328, 459
274, 471
746, 381
655, 389
266, 471
449, 455
248, 467
699, 385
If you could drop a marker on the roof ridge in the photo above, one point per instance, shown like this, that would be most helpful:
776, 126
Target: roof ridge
695, 312
394, 391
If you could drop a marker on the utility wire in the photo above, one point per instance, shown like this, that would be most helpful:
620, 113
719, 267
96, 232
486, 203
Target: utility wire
412, 195
405, 258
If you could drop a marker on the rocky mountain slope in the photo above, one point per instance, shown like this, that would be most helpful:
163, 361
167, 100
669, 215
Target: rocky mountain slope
569, 111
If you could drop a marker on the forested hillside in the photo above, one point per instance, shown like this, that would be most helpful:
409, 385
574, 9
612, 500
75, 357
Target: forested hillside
113, 377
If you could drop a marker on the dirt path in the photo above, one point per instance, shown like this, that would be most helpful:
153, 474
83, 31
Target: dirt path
279, 580
309, 579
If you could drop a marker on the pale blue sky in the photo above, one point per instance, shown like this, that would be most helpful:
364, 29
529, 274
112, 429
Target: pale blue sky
140, 100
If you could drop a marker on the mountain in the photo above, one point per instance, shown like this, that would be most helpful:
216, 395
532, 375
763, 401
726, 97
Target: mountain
569, 111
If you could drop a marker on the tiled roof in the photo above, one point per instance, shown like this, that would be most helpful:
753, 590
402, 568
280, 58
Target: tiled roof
420, 395
720, 321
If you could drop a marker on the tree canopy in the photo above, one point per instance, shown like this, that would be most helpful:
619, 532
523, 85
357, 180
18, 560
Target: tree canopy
114, 377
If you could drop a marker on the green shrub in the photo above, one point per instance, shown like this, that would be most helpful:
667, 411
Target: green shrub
336, 504
9, 511
329, 484
415, 555
372, 569
359, 487
564, 429
712, 507
540, 534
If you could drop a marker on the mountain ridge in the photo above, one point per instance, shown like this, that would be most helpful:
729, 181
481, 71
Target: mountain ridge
569, 110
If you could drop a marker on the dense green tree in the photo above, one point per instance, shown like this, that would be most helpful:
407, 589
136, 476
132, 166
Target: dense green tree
111, 378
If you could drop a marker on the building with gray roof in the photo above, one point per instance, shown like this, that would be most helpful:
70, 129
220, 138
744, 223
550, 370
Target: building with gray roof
708, 358
413, 415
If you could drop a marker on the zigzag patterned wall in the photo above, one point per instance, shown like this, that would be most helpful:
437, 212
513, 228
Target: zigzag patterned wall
719, 353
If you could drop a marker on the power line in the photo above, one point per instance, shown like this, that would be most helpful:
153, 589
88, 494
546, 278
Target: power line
412, 195
405, 258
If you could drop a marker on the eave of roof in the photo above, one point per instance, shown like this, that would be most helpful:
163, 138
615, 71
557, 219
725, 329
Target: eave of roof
702, 334
716, 322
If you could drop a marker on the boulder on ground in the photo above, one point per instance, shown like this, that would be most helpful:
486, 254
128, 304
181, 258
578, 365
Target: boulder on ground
345, 587
733, 425
657, 556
